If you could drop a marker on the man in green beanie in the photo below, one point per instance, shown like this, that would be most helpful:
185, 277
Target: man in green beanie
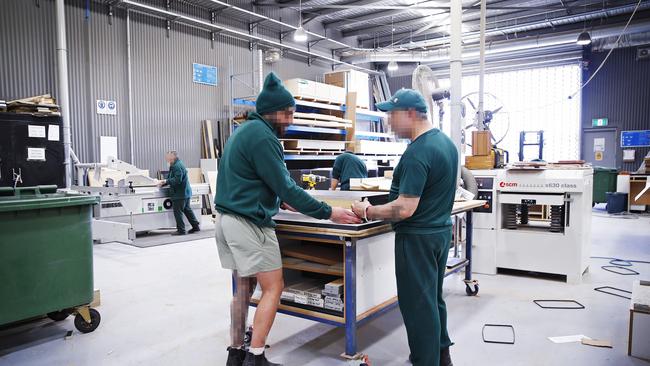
251, 183
421, 199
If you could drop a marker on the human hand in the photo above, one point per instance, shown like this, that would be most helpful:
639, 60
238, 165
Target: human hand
359, 208
344, 216
285, 206
161, 183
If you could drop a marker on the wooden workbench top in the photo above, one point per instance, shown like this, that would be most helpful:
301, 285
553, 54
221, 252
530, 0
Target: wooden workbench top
299, 223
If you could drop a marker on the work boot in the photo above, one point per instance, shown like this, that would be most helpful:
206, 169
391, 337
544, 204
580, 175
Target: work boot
258, 360
445, 357
235, 356
194, 230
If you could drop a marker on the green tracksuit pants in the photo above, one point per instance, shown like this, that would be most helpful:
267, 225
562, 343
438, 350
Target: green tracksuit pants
420, 262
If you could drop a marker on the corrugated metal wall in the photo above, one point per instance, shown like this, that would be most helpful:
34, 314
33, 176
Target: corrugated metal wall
621, 93
167, 105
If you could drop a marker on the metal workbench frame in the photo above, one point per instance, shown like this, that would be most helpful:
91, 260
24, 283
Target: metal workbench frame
350, 320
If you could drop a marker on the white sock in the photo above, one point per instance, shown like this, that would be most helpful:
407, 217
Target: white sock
256, 351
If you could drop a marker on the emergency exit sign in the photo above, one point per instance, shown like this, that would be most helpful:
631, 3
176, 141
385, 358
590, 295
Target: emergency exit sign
599, 122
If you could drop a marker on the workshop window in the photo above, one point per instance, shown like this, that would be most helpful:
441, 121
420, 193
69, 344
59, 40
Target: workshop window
533, 99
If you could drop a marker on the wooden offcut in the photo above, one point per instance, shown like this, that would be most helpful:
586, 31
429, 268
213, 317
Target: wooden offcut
481, 143
38, 105
480, 162
327, 255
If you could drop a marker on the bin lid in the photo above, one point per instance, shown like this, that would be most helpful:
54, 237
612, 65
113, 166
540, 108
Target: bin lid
40, 197
604, 169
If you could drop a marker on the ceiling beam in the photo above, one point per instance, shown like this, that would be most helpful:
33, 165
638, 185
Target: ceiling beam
471, 19
315, 13
373, 15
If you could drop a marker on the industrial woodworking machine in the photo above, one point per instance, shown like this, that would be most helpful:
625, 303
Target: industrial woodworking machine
536, 219
131, 202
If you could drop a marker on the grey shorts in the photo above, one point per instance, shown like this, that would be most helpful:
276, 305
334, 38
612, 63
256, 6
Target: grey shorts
246, 247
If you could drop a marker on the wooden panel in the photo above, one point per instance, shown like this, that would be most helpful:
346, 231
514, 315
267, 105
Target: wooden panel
636, 186
328, 255
307, 266
379, 147
481, 143
313, 123
321, 117
375, 277
313, 145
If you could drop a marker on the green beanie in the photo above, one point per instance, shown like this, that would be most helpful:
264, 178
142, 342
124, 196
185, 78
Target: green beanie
274, 96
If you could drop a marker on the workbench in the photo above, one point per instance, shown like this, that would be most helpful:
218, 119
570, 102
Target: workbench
368, 267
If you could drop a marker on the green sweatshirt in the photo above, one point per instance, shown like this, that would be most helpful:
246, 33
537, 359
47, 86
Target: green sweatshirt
179, 183
253, 178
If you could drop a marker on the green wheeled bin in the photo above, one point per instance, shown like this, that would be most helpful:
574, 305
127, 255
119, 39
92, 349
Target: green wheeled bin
604, 181
46, 256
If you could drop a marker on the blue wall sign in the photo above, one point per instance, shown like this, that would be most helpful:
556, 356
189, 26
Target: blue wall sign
204, 74
635, 138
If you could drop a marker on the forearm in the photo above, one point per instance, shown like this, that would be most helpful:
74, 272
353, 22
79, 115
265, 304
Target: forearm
392, 211
334, 184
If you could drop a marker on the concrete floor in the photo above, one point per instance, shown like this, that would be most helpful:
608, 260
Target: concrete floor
168, 305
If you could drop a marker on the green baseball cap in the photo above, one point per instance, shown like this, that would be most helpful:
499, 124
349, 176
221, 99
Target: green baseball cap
402, 100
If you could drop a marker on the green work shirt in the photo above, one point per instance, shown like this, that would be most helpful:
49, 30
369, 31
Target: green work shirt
427, 170
253, 178
346, 166
178, 181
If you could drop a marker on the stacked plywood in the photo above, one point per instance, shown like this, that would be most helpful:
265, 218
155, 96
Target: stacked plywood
354, 82
39, 105
315, 91
320, 120
378, 147
306, 146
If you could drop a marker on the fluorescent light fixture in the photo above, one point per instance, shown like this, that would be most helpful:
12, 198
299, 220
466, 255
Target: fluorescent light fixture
584, 39
300, 35
392, 66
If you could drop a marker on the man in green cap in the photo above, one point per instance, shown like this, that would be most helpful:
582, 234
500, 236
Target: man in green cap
180, 193
346, 166
421, 199
251, 183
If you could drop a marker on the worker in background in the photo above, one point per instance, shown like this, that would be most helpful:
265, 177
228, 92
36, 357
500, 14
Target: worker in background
180, 193
252, 181
421, 199
346, 166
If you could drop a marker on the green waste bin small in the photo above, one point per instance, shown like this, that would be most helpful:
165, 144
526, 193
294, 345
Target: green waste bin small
46, 255
604, 181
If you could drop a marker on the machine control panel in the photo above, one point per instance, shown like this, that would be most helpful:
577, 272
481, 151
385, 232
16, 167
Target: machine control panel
486, 183
485, 193
484, 196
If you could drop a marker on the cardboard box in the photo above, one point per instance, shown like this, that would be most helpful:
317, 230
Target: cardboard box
481, 145
314, 90
352, 81
301, 87
639, 321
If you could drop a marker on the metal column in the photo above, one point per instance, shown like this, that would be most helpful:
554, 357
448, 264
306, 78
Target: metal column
64, 94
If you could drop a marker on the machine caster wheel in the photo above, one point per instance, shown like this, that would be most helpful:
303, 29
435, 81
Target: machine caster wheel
84, 327
471, 289
60, 315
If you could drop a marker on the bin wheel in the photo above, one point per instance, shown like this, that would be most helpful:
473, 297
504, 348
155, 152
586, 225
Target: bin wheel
84, 327
60, 315
471, 290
